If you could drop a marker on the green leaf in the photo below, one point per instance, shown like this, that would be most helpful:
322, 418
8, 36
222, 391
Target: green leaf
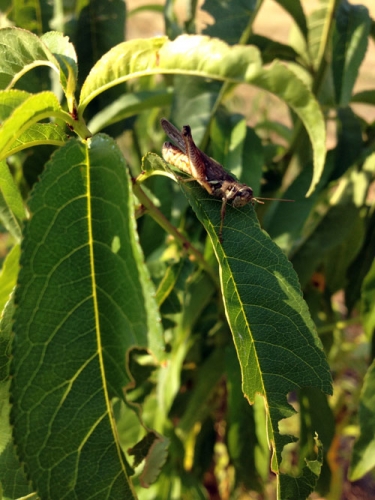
320, 28
167, 283
303, 485
365, 97
241, 427
8, 275
10, 100
294, 8
349, 141
232, 18
153, 449
100, 26
39, 134
193, 101
137, 58
129, 105
32, 15
33, 109
271, 49
84, 299
313, 250
368, 301
350, 41
286, 222
12, 211
317, 243
238, 149
360, 267
65, 54
13, 482
282, 82
209, 374
317, 418
20, 52
275, 339
363, 459
228, 137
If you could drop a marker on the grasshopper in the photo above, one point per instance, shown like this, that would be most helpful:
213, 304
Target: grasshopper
186, 156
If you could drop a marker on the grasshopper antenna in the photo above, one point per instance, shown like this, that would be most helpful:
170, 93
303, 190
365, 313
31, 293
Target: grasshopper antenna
260, 199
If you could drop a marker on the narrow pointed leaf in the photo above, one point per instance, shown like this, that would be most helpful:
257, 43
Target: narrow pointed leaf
294, 8
84, 300
64, 52
8, 275
365, 97
368, 301
320, 30
282, 82
350, 40
275, 338
12, 211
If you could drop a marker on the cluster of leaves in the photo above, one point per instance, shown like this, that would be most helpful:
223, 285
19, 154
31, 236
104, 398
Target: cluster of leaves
129, 346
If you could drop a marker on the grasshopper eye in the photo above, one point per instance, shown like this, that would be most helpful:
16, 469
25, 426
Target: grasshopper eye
243, 197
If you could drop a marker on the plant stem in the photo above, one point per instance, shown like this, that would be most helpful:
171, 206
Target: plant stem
163, 222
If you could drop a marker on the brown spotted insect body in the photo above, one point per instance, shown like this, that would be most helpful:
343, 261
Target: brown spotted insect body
186, 156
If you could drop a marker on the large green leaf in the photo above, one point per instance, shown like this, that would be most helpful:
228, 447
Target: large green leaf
84, 299
350, 40
275, 338
209, 58
282, 82
189, 55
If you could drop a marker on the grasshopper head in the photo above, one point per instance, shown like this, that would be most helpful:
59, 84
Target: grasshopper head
243, 196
